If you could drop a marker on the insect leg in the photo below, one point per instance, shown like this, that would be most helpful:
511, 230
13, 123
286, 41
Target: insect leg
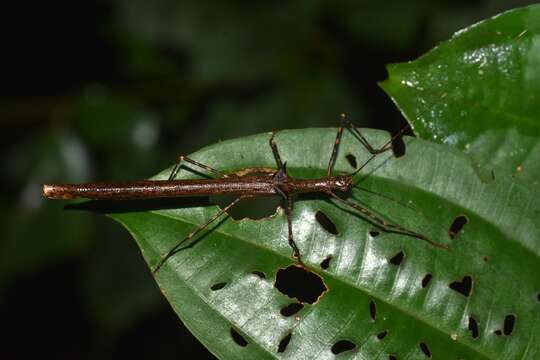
275, 151
292, 244
181, 158
288, 212
362, 139
199, 228
383, 224
335, 148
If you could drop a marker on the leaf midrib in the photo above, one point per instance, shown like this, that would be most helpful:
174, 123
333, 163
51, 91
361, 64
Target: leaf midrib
337, 279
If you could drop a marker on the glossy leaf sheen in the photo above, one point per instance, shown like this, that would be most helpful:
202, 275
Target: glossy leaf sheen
480, 91
432, 183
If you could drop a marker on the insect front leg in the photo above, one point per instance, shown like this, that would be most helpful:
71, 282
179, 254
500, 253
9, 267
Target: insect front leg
384, 224
365, 143
335, 148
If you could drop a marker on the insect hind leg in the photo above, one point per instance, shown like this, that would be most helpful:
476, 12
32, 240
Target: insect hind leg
182, 158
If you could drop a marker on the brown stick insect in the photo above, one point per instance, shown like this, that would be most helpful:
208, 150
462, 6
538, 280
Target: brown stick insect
278, 183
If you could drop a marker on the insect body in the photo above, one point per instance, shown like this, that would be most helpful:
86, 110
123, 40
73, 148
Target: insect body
277, 183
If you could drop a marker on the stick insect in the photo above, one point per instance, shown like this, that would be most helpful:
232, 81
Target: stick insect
278, 183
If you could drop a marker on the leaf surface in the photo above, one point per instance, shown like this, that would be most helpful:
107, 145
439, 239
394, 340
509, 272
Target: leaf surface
213, 288
479, 91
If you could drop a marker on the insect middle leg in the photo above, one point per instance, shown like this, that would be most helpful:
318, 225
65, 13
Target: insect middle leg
275, 151
181, 158
287, 199
199, 228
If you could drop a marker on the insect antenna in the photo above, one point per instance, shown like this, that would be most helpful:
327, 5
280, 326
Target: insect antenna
389, 227
387, 197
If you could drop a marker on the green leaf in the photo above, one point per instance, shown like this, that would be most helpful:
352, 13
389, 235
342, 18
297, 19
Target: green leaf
479, 91
430, 186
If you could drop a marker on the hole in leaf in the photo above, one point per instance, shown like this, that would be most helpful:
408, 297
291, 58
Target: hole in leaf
538, 296
509, 322
239, 339
296, 282
351, 159
425, 349
342, 346
284, 342
473, 327
464, 287
374, 233
326, 262
486, 258
326, 223
457, 225
397, 259
218, 286
382, 334
392, 357
426, 280
259, 274
255, 208
398, 147
372, 310
498, 332
291, 309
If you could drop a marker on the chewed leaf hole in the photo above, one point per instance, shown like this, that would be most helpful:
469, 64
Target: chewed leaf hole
239, 339
426, 280
374, 233
498, 332
392, 357
425, 349
284, 343
473, 327
398, 147
351, 159
255, 208
464, 287
342, 346
397, 259
538, 296
372, 310
457, 225
296, 282
326, 262
259, 274
326, 223
382, 334
509, 323
218, 286
291, 309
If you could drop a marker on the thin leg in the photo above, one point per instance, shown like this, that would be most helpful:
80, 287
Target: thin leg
385, 225
358, 135
374, 152
199, 228
335, 148
275, 151
292, 244
288, 212
181, 158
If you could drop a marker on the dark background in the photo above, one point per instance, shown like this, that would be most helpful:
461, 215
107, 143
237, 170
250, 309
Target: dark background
116, 90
